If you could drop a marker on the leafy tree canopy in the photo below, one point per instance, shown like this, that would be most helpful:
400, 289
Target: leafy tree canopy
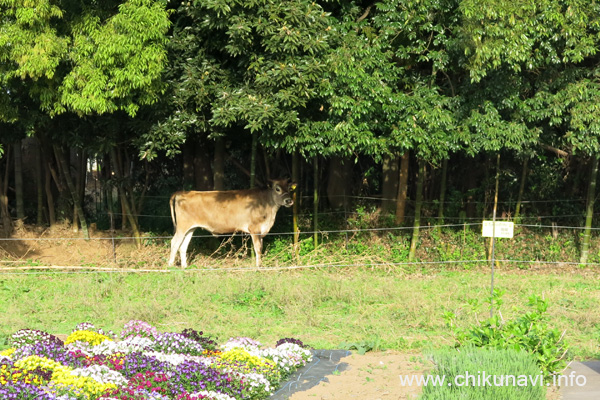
81, 57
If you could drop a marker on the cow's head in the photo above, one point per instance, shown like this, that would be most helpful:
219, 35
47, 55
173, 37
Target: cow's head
280, 190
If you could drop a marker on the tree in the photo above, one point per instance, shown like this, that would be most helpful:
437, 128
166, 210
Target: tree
549, 46
419, 38
242, 66
79, 59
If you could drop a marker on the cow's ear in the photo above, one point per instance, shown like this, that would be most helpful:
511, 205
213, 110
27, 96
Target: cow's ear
291, 184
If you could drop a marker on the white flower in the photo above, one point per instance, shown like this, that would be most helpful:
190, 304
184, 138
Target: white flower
176, 359
250, 345
107, 347
288, 356
101, 373
211, 395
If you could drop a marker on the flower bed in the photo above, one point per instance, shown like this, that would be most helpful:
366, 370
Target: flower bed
142, 363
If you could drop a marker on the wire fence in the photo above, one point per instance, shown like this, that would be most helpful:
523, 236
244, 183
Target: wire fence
9, 265
303, 232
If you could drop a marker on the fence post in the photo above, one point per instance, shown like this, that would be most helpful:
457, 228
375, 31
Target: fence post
494, 235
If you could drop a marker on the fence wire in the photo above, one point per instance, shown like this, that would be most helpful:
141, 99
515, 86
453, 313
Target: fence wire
9, 266
308, 232
79, 269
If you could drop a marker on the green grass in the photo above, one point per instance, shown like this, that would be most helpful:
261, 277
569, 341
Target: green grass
325, 308
478, 373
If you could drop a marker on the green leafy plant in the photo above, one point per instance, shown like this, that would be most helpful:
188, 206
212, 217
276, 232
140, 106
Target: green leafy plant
528, 332
363, 346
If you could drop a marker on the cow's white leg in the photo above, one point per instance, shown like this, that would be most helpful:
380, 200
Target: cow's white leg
184, 245
257, 243
175, 245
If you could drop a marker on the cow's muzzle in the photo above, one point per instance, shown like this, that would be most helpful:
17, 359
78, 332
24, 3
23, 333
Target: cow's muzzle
288, 202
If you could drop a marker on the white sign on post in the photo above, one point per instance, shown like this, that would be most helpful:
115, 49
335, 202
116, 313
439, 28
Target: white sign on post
504, 229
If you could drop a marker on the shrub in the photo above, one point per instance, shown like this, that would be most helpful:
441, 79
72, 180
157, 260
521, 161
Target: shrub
528, 332
474, 373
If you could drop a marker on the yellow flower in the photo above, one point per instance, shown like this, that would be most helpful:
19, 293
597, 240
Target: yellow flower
9, 374
93, 338
253, 363
30, 363
7, 352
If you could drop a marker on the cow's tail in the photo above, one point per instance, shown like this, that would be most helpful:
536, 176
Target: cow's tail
172, 205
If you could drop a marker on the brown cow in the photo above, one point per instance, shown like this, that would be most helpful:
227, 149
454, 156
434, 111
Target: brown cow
251, 211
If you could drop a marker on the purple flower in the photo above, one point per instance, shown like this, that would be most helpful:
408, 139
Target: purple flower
51, 349
193, 377
177, 343
135, 363
23, 391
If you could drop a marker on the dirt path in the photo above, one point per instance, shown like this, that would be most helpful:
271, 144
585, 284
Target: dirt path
373, 376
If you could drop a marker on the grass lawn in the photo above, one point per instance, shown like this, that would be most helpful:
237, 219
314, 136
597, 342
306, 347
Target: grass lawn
325, 308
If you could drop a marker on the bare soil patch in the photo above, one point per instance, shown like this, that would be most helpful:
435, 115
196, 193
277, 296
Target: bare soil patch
372, 376
61, 246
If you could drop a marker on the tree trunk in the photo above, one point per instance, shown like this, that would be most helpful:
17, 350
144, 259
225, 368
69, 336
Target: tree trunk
202, 171
46, 159
187, 153
19, 181
219, 165
443, 183
49, 194
389, 187
124, 202
418, 204
140, 203
4, 212
39, 182
108, 188
267, 165
253, 159
402, 188
315, 201
337, 182
80, 162
589, 211
521, 190
295, 196
60, 157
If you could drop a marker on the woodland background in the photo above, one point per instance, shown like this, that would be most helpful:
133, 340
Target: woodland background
420, 107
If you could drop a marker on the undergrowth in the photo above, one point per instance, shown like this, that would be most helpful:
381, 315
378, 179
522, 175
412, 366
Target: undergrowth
527, 331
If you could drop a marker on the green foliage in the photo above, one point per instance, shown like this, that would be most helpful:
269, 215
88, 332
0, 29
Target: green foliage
526, 35
469, 374
529, 332
118, 62
363, 347
88, 60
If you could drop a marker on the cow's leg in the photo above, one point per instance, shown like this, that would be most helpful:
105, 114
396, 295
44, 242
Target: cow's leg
175, 245
184, 245
257, 243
